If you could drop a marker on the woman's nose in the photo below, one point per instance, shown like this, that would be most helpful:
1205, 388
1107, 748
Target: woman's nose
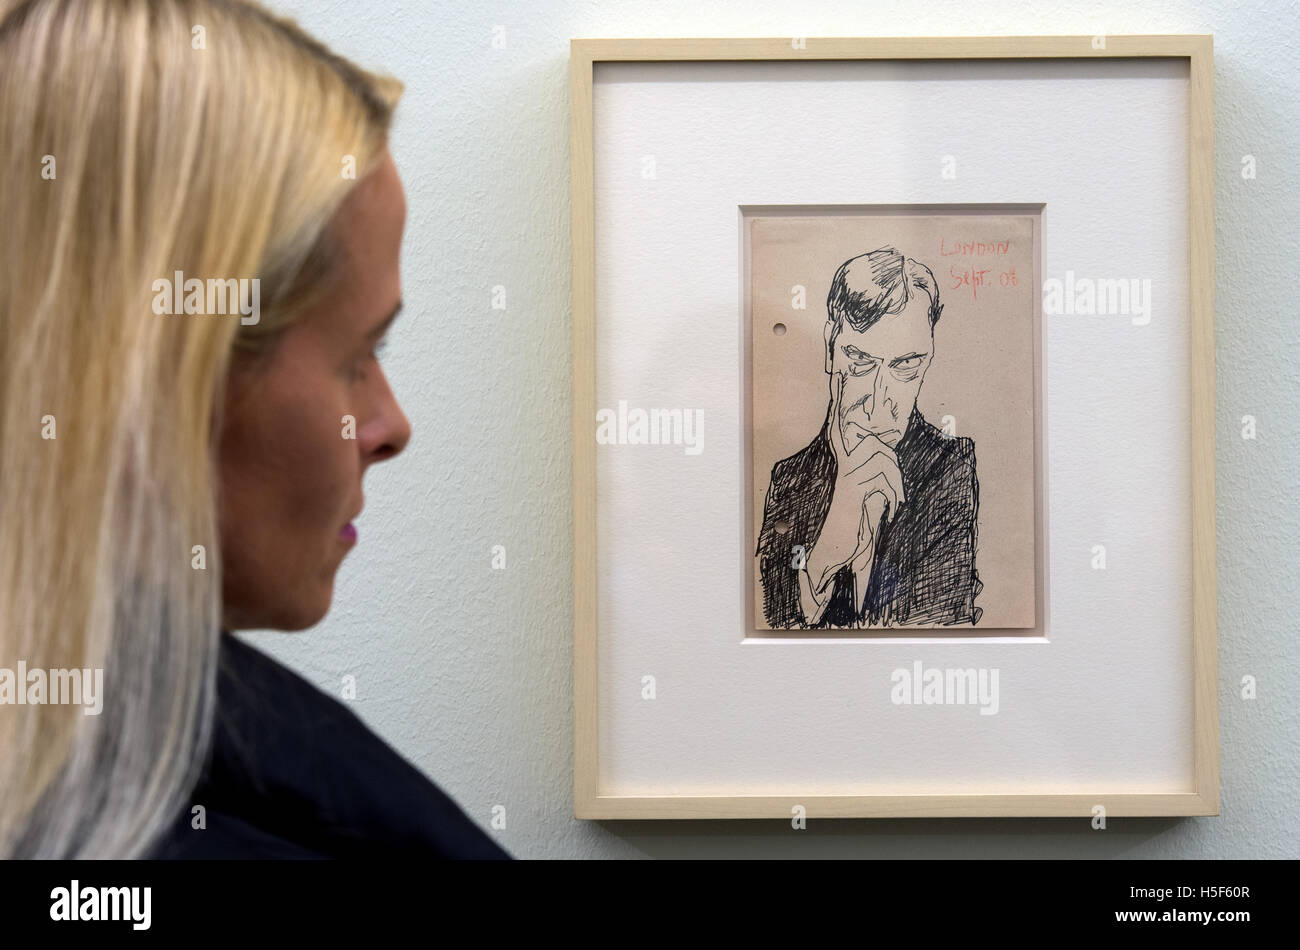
389, 431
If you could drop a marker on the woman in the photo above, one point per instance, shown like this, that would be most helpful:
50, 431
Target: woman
202, 231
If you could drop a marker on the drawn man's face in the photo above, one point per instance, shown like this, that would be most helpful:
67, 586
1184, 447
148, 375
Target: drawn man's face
881, 369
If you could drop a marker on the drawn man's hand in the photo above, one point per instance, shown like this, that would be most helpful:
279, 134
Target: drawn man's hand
868, 488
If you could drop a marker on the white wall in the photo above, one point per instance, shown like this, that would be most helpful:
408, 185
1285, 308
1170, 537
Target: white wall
467, 671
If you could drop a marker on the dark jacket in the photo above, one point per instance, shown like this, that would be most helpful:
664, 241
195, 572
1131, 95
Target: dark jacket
924, 568
294, 773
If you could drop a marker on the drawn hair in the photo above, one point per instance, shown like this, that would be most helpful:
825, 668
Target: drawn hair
226, 162
887, 288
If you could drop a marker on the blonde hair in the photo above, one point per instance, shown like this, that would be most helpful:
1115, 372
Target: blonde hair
141, 138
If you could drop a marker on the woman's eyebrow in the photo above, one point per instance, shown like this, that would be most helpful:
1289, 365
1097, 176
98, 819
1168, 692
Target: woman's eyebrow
382, 328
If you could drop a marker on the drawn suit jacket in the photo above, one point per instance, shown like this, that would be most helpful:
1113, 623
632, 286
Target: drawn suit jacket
924, 568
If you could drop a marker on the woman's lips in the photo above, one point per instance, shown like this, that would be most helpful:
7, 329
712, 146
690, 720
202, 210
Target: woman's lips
348, 533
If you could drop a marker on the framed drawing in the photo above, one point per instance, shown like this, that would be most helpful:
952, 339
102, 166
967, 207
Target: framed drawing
880, 495
893, 427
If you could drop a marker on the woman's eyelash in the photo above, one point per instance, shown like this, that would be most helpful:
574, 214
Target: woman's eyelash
359, 368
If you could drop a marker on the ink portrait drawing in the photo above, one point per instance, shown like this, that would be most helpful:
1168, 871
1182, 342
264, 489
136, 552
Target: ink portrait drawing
893, 389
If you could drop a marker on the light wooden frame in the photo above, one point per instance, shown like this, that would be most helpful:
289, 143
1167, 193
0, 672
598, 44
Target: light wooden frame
1203, 797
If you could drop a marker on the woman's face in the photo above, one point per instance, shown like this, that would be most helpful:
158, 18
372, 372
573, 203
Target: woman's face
291, 460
